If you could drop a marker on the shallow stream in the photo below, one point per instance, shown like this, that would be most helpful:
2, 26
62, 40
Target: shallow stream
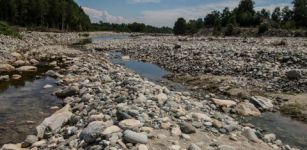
24, 104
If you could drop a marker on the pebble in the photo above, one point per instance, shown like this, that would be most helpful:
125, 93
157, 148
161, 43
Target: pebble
134, 137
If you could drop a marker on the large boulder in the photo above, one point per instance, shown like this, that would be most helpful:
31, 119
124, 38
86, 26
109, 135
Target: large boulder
294, 74
6, 68
247, 109
92, 131
55, 121
262, 102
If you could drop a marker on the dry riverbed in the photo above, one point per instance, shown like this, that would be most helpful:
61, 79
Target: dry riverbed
110, 107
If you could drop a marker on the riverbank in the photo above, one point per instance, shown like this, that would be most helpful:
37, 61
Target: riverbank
110, 107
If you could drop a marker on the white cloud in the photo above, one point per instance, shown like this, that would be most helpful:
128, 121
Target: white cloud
144, 1
169, 16
97, 15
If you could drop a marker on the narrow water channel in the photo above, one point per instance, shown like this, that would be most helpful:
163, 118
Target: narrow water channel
23, 105
289, 131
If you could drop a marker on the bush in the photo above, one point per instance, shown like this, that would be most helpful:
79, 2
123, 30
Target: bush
5, 29
83, 42
230, 30
84, 34
264, 27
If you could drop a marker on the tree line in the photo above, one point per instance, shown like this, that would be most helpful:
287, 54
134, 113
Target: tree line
58, 14
131, 27
244, 15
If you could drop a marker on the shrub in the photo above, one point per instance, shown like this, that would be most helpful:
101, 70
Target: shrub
84, 34
83, 42
230, 30
264, 27
283, 42
5, 29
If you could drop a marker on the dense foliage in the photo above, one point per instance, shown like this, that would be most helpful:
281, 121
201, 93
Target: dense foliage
133, 27
59, 14
5, 29
244, 15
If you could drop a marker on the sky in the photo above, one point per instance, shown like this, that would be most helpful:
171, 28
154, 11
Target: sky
161, 12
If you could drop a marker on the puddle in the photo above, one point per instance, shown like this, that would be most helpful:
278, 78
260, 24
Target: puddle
149, 71
289, 131
110, 37
23, 105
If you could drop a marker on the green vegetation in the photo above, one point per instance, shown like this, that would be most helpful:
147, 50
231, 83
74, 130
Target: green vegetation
84, 34
133, 27
244, 15
5, 29
295, 110
58, 14
264, 27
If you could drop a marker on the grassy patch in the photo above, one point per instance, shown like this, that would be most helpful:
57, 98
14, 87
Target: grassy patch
5, 29
84, 34
295, 110
83, 42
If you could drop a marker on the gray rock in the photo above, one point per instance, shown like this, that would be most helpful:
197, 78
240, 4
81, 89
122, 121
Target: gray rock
6, 68
5, 78
250, 135
55, 121
269, 137
226, 147
92, 131
29, 141
262, 102
134, 137
294, 75
27, 69
187, 128
51, 73
69, 91
194, 147
247, 109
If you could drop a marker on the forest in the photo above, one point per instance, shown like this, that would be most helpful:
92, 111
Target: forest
131, 27
58, 14
64, 15
245, 15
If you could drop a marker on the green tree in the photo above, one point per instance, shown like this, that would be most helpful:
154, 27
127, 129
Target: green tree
276, 15
212, 19
300, 12
180, 26
226, 16
245, 13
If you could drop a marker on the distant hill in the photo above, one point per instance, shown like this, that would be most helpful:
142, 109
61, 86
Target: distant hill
58, 14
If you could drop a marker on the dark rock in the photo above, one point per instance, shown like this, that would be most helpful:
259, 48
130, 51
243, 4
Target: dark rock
187, 128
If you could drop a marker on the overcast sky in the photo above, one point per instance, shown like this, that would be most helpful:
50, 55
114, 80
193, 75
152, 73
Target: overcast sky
161, 12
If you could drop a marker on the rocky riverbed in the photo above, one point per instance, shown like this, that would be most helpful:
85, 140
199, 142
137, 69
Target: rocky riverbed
110, 107
233, 66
